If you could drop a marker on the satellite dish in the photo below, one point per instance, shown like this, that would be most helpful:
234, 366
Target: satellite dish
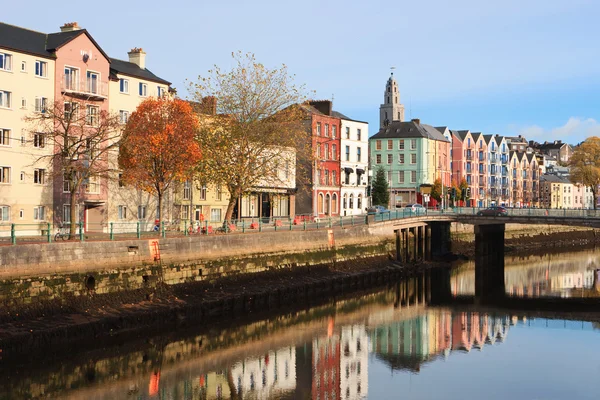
86, 57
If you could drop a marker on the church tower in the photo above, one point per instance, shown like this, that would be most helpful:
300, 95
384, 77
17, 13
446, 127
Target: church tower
391, 109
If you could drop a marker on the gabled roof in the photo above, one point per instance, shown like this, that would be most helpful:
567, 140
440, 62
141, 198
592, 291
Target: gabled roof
339, 115
409, 129
457, 135
488, 138
132, 69
463, 134
476, 135
25, 40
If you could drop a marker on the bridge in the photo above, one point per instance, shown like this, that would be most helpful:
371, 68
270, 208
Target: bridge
426, 236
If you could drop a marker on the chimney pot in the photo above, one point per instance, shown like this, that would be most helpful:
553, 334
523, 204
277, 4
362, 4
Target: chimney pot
137, 56
70, 26
416, 121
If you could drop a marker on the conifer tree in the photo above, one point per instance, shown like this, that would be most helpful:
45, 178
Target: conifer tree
380, 189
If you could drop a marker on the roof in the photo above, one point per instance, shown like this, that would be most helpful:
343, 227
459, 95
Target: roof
132, 69
488, 138
339, 115
463, 134
554, 178
42, 44
409, 129
25, 40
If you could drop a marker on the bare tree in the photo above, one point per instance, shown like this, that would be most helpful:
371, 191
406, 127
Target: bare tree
585, 165
81, 135
256, 131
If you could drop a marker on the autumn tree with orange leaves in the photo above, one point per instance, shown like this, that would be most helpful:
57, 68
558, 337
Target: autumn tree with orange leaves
159, 146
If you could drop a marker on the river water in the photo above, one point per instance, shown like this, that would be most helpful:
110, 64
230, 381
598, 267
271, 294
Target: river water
387, 344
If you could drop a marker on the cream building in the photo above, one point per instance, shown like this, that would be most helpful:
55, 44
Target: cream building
27, 86
130, 84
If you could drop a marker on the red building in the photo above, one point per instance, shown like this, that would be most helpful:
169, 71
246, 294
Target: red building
321, 197
326, 367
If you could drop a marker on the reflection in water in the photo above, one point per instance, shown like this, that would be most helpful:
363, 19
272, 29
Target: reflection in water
563, 275
336, 351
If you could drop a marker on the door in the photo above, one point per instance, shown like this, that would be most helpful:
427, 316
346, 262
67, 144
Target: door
94, 218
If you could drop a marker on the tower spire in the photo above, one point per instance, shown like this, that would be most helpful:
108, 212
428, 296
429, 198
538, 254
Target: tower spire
391, 109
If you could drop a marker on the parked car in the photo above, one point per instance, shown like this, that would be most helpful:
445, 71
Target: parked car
377, 210
494, 211
415, 208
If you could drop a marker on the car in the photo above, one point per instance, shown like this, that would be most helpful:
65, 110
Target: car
494, 211
377, 210
415, 208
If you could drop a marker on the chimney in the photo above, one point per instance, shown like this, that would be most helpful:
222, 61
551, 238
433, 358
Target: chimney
416, 121
324, 106
208, 105
137, 56
70, 26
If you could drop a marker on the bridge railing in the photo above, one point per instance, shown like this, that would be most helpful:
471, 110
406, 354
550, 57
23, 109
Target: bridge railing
533, 212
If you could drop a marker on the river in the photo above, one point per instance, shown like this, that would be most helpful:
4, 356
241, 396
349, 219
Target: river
374, 345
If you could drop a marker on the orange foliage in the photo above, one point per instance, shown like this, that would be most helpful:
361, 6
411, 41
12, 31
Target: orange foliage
159, 145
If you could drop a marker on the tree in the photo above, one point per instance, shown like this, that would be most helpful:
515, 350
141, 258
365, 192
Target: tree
159, 146
256, 131
81, 136
380, 190
585, 165
436, 190
462, 189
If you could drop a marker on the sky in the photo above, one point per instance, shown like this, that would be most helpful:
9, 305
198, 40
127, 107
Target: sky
505, 67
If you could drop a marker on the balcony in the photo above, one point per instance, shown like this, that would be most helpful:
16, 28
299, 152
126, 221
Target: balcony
91, 89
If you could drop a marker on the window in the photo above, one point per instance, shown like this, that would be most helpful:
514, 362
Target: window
121, 182
359, 202
185, 212
347, 135
123, 116
93, 81
358, 134
413, 144
378, 159
71, 78
326, 177
4, 213
23, 102
351, 203
67, 213
401, 145
71, 111
38, 140
160, 91
347, 153
347, 179
390, 145
327, 156
5, 99
92, 115
413, 176
203, 192
22, 176
400, 176
41, 68
23, 66
318, 129
93, 184
141, 214
215, 215
5, 62
4, 174
334, 205
345, 201
187, 190
413, 158
122, 212
327, 130
390, 158
123, 85
358, 154
39, 213
41, 104
4, 137
143, 89
334, 152
334, 177
400, 158
319, 150
66, 183
220, 192
378, 144
333, 131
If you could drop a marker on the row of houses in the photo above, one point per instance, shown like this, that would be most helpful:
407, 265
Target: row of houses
498, 170
37, 69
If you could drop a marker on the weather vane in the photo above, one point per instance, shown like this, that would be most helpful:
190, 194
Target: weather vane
392, 69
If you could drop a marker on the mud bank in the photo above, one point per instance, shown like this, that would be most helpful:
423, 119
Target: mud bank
125, 315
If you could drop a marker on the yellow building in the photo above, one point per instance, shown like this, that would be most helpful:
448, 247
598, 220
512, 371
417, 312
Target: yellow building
27, 86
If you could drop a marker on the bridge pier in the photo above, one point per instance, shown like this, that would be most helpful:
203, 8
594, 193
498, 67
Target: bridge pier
440, 242
439, 290
489, 262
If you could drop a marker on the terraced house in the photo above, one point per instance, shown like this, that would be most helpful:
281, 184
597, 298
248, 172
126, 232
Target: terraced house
69, 68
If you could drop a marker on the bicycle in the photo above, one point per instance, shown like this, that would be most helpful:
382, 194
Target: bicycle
62, 234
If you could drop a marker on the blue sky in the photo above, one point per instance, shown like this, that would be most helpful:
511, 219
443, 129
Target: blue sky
506, 67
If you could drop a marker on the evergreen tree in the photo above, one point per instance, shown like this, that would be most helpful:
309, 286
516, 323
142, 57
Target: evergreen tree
380, 189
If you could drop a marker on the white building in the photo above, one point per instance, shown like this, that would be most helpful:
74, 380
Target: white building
354, 360
354, 160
